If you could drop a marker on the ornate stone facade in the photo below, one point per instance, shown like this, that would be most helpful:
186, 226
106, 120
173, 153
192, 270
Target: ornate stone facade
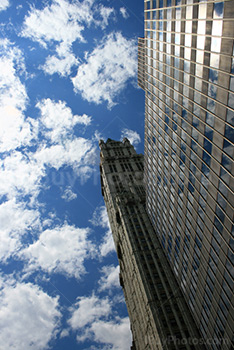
159, 317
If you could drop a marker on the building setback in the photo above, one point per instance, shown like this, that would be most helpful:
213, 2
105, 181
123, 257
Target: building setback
159, 316
186, 59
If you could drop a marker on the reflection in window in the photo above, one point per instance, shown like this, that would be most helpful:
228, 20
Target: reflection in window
214, 60
226, 162
213, 75
218, 10
220, 214
199, 70
231, 86
228, 148
217, 28
206, 157
208, 133
188, 26
189, 14
200, 57
202, 10
178, 13
212, 91
210, 105
207, 146
215, 44
201, 27
231, 100
210, 119
223, 189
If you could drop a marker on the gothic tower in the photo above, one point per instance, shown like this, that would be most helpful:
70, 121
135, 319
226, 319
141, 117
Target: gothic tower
159, 317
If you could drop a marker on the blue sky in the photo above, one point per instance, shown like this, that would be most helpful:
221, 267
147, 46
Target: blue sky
68, 77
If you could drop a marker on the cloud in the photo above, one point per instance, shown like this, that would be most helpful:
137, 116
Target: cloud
62, 249
4, 5
12, 230
100, 218
124, 12
133, 136
110, 278
60, 63
16, 130
69, 195
58, 120
61, 24
29, 318
20, 176
105, 13
107, 70
90, 319
116, 333
71, 153
88, 309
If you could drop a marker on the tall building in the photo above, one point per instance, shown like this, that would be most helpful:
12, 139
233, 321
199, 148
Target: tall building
186, 67
159, 316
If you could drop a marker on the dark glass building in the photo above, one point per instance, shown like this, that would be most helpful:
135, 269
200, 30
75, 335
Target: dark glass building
186, 59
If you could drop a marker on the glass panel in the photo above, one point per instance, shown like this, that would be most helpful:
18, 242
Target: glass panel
188, 40
215, 44
232, 83
213, 75
231, 100
218, 10
202, 10
226, 162
201, 42
217, 28
201, 27
214, 60
187, 53
210, 105
200, 57
188, 27
189, 12
209, 133
210, 119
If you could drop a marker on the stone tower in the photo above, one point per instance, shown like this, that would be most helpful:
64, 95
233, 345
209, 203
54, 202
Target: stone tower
159, 317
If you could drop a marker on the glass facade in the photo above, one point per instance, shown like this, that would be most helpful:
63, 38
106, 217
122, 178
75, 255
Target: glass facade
189, 135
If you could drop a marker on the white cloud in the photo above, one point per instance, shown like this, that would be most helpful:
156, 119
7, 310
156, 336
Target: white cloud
62, 249
58, 120
133, 136
90, 318
110, 278
116, 333
4, 5
100, 218
107, 70
88, 309
73, 153
16, 221
62, 23
105, 13
29, 318
107, 245
20, 175
69, 195
16, 130
124, 12
61, 63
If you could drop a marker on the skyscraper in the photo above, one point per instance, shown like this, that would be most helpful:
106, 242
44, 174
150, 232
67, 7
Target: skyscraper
159, 317
186, 67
